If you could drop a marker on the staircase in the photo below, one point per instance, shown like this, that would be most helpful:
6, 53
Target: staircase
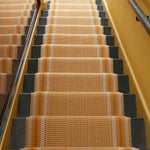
75, 95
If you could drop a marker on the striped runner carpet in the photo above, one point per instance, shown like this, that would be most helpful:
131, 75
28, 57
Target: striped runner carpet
74, 94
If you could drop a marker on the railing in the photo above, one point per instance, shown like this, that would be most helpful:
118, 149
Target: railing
140, 15
11, 94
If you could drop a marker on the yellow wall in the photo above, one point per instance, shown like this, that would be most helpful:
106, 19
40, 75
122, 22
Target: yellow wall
144, 5
134, 48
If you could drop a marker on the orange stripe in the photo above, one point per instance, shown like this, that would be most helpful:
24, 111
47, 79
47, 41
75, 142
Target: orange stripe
52, 20
102, 51
95, 21
44, 65
91, 2
46, 48
49, 39
54, 6
53, 13
92, 6
99, 39
27, 6
15, 39
18, 29
51, 28
122, 123
93, 13
113, 104
97, 30
21, 20
25, 12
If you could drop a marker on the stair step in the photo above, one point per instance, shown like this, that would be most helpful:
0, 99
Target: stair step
16, 6
83, 39
98, 2
14, 29
73, 21
15, 1
12, 39
74, 51
13, 51
14, 21
15, 13
80, 148
74, 29
86, 65
5, 82
61, 6
8, 65
74, 82
77, 127
58, 104
74, 13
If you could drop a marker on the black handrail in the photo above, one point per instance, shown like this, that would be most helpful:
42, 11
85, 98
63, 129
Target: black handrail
141, 16
13, 89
